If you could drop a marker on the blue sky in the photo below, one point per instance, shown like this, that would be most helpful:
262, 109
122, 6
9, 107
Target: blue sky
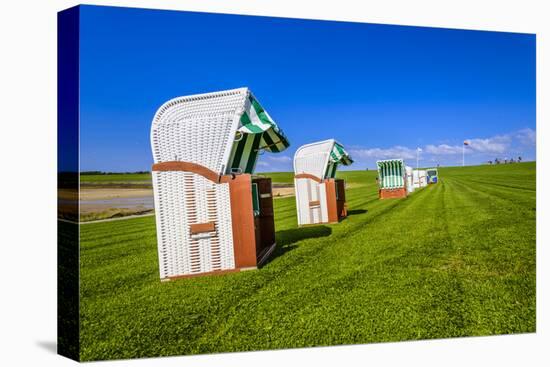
381, 90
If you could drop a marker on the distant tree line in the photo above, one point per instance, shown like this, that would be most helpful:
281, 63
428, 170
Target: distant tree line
87, 173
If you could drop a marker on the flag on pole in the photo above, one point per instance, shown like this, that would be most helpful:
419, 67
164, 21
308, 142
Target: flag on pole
466, 142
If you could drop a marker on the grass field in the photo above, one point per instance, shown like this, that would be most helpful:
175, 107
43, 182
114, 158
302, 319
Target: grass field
132, 180
453, 259
116, 178
129, 178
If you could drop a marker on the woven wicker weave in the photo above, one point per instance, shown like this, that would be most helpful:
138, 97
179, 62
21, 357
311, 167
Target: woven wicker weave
409, 179
199, 129
311, 197
419, 179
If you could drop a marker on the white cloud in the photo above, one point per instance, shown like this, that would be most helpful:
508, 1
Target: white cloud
443, 149
527, 137
481, 149
384, 153
279, 158
497, 144
274, 162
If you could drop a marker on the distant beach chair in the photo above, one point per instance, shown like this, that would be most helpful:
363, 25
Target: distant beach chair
409, 179
320, 197
432, 175
422, 178
212, 215
392, 179
416, 179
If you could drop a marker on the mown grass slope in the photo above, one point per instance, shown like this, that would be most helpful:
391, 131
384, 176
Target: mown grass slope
128, 178
116, 178
453, 259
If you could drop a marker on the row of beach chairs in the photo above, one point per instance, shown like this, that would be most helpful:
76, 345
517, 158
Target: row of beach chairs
212, 214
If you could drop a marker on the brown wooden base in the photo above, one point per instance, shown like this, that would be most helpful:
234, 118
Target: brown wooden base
336, 200
253, 223
264, 256
392, 193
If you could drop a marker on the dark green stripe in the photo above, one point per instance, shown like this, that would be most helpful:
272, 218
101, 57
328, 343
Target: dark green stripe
330, 170
253, 153
275, 137
269, 142
389, 174
239, 152
284, 140
340, 150
245, 120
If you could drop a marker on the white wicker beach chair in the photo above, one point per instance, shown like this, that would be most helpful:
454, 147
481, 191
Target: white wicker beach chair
416, 179
205, 148
409, 179
392, 178
320, 198
420, 178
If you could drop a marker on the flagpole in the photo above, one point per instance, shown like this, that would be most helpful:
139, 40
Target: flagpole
463, 154
417, 158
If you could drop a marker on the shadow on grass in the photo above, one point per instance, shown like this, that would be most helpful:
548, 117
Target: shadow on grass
357, 211
286, 239
290, 236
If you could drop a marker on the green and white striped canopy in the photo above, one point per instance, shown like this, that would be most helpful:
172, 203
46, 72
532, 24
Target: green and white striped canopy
391, 173
257, 132
337, 156
331, 170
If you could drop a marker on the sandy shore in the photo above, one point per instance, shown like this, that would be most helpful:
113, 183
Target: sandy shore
282, 192
87, 194
106, 202
105, 194
124, 200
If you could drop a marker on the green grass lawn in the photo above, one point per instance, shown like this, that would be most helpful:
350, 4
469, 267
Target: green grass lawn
280, 177
276, 177
129, 178
453, 259
116, 178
